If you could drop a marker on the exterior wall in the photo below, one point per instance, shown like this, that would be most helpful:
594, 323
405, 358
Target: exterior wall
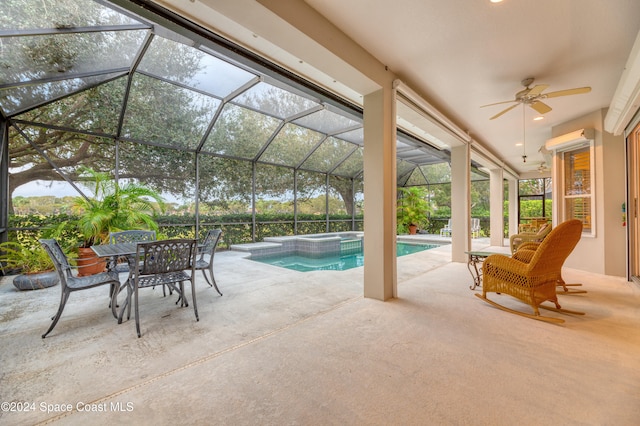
606, 252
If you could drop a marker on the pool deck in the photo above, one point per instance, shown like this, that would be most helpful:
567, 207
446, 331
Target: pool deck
424, 238
284, 347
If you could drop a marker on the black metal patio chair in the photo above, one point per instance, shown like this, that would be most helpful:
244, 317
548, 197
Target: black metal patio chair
69, 282
207, 251
130, 236
163, 263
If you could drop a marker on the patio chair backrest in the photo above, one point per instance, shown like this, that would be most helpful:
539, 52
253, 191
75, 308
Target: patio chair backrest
165, 256
131, 236
60, 260
475, 227
556, 246
210, 242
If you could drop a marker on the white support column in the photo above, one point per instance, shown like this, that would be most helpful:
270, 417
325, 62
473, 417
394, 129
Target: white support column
496, 201
460, 202
380, 277
513, 206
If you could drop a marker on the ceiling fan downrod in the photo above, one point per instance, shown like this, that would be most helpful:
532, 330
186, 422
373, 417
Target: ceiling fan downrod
524, 137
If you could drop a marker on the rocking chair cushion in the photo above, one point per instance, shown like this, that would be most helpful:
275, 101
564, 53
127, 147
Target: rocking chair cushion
517, 240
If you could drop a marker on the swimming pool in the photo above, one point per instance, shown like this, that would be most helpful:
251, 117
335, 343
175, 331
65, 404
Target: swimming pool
347, 259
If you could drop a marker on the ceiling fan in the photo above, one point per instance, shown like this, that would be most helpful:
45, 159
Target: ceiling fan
533, 97
538, 166
542, 168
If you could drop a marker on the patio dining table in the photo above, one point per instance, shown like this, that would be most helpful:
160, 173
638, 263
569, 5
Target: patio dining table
115, 251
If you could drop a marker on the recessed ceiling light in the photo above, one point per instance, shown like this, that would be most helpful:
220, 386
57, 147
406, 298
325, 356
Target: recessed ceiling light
538, 118
519, 144
496, 1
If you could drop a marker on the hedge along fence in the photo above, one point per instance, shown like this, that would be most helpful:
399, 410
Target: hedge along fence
29, 228
236, 228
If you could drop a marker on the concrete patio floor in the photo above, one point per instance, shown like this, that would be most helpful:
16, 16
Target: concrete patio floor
287, 347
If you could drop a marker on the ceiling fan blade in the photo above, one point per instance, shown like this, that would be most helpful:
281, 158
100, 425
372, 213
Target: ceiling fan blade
536, 90
498, 103
540, 107
576, 91
504, 111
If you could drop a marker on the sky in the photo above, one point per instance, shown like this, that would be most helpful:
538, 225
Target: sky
39, 188
62, 189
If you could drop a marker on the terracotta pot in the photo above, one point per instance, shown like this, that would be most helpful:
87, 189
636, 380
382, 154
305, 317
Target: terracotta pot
88, 263
413, 229
36, 281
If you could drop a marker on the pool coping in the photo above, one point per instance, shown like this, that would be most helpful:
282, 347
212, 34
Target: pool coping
311, 245
316, 245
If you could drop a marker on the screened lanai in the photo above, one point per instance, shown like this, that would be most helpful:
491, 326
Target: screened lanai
213, 128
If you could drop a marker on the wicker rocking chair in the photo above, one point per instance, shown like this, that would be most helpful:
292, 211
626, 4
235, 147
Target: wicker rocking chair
516, 240
533, 282
525, 253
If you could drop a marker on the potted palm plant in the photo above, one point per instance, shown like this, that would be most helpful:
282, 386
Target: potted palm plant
413, 209
113, 207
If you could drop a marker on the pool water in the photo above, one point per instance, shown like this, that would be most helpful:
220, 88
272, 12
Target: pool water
335, 262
